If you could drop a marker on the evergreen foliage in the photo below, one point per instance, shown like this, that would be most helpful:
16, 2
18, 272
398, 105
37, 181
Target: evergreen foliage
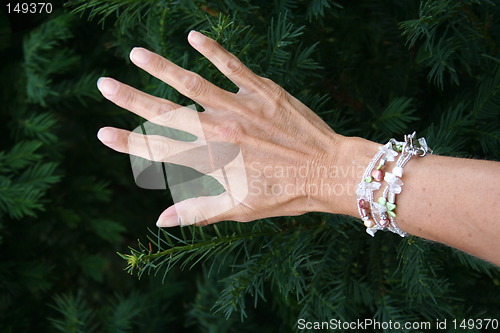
371, 68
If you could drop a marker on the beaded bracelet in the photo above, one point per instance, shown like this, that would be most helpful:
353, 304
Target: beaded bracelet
385, 205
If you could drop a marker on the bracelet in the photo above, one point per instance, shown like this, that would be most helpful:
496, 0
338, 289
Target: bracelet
385, 205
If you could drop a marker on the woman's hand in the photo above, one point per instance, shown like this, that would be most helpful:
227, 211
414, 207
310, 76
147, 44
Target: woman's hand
289, 156
292, 162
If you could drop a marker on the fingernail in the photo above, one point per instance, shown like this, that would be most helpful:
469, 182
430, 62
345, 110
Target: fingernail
107, 86
107, 135
139, 55
168, 218
196, 38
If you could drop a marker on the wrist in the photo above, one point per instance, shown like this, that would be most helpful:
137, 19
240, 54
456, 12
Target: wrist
348, 162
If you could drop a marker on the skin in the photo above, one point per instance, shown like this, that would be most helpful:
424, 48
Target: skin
291, 162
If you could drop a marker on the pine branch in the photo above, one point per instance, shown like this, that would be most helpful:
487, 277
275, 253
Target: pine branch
20, 156
419, 278
451, 39
317, 9
125, 10
396, 117
21, 196
281, 34
449, 134
124, 312
37, 125
108, 230
194, 246
487, 111
77, 317
40, 60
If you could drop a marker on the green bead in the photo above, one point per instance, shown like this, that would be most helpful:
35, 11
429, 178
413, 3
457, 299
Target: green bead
398, 148
368, 179
379, 166
391, 213
382, 200
390, 206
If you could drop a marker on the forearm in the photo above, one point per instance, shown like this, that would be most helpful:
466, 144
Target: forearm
453, 201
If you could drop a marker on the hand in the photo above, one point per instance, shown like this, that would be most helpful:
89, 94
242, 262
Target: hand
286, 151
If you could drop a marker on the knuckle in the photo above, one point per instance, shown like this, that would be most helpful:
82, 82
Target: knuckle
194, 85
275, 92
249, 106
160, 66
166, 115
130, 141
229, 130
159, 150
162, 108
234, 66
128, 98
266, 81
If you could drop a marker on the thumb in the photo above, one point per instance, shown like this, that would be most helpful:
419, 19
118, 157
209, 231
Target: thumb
200, 211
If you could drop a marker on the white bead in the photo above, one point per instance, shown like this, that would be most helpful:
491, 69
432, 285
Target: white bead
369, 223
391, 197
388, 177
397, 171
371, 231
392, 179
395, 189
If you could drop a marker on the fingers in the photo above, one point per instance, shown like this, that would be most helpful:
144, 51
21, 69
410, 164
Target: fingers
226, 62
186, 82
152, 147
200, 211
204, 210
234, 69
157, 110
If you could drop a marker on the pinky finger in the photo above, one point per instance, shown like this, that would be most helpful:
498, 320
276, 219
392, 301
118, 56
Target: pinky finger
200, 211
